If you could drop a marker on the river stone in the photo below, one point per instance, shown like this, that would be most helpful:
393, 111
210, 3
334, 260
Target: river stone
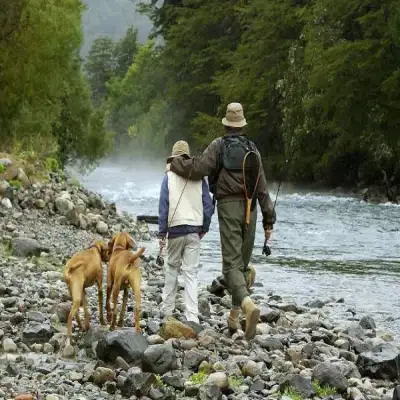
209, 391
302, 385
159, 358
328, 374
138, 384
124, 343
381, 362
251, 368
367, 322
193, 358
102, 375
269, 343
6, 203
269, 315
5, 161
220, 379
101, 227
9, 346
37, 333
64, 204
174, 379
26, 247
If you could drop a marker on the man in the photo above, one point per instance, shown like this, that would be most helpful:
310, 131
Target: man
237, 239
185, 211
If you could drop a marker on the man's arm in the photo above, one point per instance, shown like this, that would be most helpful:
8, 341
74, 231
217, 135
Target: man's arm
163, 208
208, 206
197, 168
264, 199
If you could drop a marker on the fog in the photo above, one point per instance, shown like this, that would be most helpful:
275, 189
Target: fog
144, 174
112, 19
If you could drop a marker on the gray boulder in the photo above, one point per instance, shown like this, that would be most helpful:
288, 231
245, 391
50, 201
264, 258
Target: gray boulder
381, 362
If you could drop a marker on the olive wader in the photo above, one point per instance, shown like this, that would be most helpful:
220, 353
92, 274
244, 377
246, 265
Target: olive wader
237, 243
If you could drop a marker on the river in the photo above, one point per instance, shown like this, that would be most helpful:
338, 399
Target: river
322, 246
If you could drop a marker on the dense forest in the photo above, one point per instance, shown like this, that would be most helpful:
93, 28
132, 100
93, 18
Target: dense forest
319, 81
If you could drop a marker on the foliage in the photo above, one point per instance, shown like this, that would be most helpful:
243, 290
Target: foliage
2, 168
199, 378
235, 382
292, 394
323, 391
318, 81
15, 183
44, 98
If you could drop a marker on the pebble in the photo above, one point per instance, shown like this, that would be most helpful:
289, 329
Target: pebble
291, 340
9, 346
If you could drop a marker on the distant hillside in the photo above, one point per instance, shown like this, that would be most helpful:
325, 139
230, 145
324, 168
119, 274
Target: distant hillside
112, 18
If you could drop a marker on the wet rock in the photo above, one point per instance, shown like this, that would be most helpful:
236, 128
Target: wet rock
25, 247
124, 343
381, 362
159, 358
367, 322
328, 374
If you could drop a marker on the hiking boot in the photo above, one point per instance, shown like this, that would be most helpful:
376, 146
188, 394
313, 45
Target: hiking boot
233, 320
252, 313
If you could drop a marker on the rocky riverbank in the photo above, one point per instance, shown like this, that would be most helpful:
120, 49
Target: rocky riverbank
299, 353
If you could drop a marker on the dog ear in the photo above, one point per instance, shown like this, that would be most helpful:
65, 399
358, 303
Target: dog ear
111, 245
130, 242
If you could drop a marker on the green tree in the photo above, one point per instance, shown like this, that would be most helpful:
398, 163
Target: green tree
39, 76
100, 67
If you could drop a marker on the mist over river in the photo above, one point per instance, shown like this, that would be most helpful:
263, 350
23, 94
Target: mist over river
322, 246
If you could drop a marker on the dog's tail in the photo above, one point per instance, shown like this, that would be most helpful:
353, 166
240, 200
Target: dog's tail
70, 267
135, 256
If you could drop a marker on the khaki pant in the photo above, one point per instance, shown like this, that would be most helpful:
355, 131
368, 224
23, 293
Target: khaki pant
236, 245
183, 256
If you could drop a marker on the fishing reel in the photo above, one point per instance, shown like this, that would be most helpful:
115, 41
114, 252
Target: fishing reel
266, 249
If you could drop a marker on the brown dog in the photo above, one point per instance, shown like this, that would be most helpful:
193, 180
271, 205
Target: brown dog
83, 270
123, 272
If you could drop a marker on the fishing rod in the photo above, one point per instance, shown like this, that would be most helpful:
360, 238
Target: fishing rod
266, 249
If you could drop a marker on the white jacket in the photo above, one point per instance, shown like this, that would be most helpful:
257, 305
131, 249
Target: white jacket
189, 211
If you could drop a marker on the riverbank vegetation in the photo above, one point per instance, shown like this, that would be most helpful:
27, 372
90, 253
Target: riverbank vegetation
319, 82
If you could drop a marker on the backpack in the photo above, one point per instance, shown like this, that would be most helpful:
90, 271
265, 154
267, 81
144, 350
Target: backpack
232, 151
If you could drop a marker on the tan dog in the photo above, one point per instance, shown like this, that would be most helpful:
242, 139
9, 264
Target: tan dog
83, 270
123, 272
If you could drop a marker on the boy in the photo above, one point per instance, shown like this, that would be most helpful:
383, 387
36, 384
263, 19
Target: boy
185, 211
